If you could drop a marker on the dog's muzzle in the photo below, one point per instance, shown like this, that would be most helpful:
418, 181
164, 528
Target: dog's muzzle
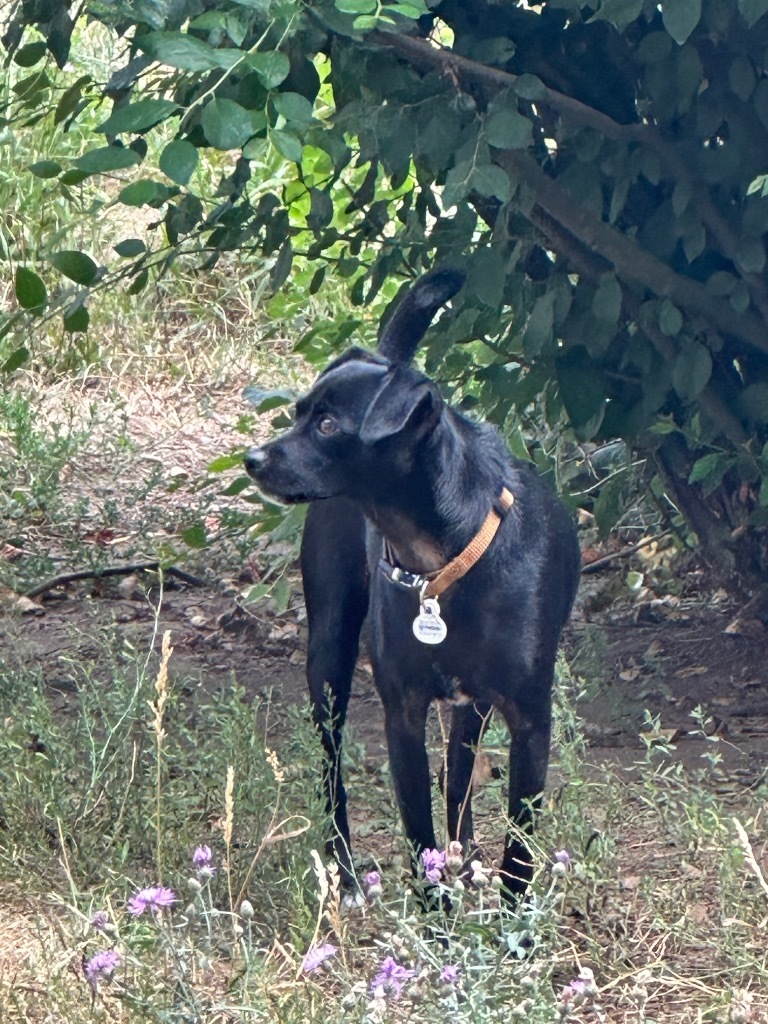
255, 461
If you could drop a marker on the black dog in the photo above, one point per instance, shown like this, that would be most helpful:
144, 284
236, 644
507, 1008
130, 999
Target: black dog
464, 561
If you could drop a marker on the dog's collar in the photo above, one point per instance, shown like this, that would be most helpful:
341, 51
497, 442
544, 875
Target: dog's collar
432, 584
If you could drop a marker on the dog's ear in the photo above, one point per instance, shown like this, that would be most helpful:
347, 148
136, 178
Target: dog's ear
400, 335
405, 401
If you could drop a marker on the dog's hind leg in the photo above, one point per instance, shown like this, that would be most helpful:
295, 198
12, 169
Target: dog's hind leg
335, 579
468, 722
529, 728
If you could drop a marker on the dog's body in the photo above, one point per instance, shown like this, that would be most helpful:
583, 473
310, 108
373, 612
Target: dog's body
404, 476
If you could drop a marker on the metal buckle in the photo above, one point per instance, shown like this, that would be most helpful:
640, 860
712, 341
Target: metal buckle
408, 580
400, 577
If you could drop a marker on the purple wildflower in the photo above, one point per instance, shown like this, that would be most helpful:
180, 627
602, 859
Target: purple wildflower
202, 861
100, 920
434, 863
154, 899
575, 992
391, 978
202, 857
101, 966
373, 887
563, 857
450, 974
316, 955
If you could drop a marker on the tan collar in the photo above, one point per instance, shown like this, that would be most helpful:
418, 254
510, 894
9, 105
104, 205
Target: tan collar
433, 584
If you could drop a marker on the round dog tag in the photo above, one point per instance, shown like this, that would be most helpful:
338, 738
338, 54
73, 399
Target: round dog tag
428, 627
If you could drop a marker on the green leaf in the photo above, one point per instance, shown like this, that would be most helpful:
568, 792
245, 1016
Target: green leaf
139, 282
412, 10
30, 290
130, 247
606, 305
29, 55
76, 321
237, 486
752, 10
505, 128
45, 169
137, 117
144, 192
287, 144
272, 67
107, 158
278, 275
73, 176
680, 18
618, 12
490, 180
16, 359
294, 107
754, 402
70, 99
178, 161
320, 209
194, 536
227, 125
711, 468
77, 266
530, 87
692, 370
185, 52
670, 319
355, 6
750, 255
224, 462
267, 399
581, 386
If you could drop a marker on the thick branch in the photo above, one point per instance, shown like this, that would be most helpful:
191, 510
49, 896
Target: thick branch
630, 261
424, 56
592, 266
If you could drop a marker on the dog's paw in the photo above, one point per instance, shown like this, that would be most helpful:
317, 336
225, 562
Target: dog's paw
352, 900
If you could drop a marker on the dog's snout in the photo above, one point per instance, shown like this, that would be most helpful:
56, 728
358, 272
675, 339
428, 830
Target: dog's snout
255, 458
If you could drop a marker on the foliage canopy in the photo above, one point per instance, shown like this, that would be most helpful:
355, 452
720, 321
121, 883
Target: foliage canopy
598, 167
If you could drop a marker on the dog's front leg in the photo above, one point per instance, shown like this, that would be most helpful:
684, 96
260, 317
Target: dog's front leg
335, 582
405, 725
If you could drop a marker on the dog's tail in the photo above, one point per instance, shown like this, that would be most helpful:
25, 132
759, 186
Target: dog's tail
400, 335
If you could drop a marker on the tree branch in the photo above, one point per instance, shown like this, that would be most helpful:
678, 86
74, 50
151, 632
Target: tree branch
630, 261
425, 56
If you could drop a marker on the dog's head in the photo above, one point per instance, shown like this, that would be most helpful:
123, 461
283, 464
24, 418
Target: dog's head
355, 434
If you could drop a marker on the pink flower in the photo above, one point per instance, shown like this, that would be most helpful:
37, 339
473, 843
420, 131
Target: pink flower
316, 955
450, 974
391, 978
434, 863
154, 899
101, 966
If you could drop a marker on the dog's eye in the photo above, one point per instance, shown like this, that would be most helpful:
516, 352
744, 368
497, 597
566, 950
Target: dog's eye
327, 425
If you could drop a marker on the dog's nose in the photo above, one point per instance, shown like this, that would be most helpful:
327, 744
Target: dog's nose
254, 460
